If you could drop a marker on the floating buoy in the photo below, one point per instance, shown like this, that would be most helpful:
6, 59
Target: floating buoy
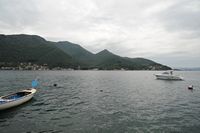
190, 87
55, 85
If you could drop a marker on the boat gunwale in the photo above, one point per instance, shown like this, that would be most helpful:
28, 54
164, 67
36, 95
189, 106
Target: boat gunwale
31, 93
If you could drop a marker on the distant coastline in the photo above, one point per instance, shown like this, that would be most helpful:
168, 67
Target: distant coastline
188, 69
35, 67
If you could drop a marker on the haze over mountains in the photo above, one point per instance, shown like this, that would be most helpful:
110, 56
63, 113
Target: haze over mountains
16, 49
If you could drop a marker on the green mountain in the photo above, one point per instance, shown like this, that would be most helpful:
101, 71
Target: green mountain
16, 49
81, 55
107, 60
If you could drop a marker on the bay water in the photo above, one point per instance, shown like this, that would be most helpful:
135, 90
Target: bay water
102, 102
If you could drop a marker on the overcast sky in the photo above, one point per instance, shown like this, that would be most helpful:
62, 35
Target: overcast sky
167, 31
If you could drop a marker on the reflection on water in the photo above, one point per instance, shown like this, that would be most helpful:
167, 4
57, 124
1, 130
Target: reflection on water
102, 101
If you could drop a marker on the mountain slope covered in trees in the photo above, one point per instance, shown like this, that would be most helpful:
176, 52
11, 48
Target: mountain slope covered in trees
16, 49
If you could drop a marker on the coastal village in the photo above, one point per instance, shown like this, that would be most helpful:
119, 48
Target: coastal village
24, 66
44, 67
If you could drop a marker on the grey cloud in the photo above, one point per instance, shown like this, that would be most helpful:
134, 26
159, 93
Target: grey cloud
183, 16
151, 29
17, 15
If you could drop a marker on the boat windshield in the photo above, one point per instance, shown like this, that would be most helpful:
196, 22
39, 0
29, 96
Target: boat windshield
165, 73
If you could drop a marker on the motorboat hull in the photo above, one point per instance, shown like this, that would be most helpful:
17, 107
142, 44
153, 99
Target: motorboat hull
9, 103
168, 77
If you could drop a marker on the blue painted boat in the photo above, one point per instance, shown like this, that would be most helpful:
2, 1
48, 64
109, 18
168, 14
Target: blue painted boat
16, 99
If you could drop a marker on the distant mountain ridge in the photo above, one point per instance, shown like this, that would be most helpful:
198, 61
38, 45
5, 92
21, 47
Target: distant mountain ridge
16, 49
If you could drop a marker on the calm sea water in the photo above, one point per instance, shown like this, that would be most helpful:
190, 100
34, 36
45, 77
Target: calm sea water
103, 102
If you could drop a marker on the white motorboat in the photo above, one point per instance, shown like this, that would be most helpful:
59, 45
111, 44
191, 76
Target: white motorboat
168, 76
16, 99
